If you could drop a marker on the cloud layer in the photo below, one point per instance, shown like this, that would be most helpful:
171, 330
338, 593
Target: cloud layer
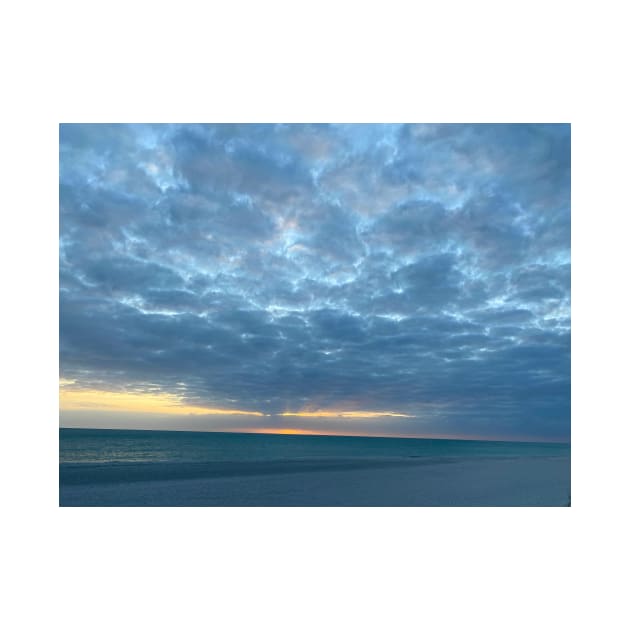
421, 270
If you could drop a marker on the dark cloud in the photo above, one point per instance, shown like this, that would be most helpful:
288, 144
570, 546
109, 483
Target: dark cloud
423, 269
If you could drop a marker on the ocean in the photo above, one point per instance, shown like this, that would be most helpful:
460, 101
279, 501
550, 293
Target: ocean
126, 467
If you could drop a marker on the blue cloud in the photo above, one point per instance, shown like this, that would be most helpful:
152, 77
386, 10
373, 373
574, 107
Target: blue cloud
419, 268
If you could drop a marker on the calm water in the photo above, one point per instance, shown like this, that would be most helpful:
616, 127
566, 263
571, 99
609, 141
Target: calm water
98, 467
93, 455
100, 446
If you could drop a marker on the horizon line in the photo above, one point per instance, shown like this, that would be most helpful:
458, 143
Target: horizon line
308, 433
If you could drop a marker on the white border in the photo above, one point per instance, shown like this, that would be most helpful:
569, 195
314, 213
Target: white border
293, 62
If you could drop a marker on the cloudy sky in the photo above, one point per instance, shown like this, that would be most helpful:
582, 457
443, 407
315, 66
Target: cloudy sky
359, 279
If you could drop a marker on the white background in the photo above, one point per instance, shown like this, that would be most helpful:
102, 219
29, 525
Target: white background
294, 62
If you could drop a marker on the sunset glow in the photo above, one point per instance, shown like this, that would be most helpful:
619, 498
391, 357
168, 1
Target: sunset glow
159, 403
329, 413
285, 431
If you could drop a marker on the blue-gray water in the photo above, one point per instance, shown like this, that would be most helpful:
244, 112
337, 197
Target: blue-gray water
88, 456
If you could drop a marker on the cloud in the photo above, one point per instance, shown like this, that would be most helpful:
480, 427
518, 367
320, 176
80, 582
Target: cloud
419, 270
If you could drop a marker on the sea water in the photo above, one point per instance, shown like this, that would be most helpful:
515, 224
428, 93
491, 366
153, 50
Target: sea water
179, 468
111, 455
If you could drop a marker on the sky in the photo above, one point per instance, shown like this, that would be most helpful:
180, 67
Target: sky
386, 279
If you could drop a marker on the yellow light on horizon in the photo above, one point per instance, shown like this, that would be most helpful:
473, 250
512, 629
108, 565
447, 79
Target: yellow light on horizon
72, 397
143, 402
329, 413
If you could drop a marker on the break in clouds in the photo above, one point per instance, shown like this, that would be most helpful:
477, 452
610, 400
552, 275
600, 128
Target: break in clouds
417, 269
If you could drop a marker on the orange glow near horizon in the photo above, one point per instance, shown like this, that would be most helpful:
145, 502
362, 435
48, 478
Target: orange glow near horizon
342, 433
149, 402
283, 431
